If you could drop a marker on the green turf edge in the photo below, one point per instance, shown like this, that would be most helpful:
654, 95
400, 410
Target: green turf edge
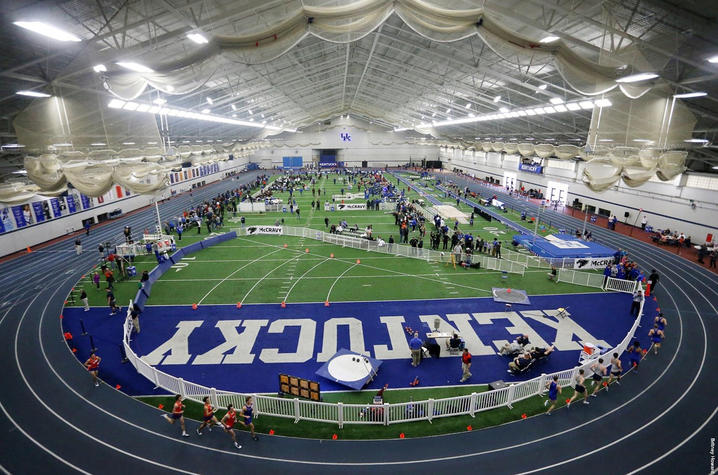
533, 406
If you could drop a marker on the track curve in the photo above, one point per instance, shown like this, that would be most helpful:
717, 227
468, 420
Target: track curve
57, 421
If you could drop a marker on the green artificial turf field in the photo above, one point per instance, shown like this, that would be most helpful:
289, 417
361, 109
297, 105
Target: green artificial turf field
260, 269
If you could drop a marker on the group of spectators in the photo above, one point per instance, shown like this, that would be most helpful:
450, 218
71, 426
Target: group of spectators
671, 238
623, 268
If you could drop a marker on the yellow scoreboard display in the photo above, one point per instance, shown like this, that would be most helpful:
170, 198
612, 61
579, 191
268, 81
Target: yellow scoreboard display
299, 387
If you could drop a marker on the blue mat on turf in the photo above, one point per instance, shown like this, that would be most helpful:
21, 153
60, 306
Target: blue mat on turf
349, 369
245, 349
562, 245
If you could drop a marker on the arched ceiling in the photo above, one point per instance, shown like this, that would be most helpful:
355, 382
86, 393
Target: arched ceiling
392, 76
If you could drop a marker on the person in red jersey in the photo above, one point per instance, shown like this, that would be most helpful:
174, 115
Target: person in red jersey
177, 414
209, 417
93, 366
228, 421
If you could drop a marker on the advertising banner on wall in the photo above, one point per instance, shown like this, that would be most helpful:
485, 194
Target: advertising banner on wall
71, 207
252, 230
592, 262
538, 169
6, 221
39, 213
19, 212
86, 203
56, 209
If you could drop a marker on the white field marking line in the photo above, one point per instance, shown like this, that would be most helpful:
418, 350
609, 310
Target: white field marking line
230, 275
339, 277
380, 276
4, 470
265, 275
418, 276
301, 276
693, 382
57, 415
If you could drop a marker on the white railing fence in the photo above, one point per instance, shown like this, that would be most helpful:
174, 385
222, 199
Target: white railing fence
384, 414
598, 281
587, 279
487, 262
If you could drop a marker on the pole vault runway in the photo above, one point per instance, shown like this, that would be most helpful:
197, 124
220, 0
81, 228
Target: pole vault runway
660, 420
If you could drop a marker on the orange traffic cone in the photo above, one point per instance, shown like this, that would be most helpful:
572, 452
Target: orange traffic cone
284, 304
29, 250
326, 303
239, 304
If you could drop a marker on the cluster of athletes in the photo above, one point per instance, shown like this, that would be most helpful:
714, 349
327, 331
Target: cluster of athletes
599, 370
245, 414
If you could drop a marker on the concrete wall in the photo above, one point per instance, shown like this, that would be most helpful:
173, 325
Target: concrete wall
355, 140
35, 234
666, 204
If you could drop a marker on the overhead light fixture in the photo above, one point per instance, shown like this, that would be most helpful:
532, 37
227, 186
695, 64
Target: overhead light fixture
210, 101
468, 105
530, 112
62, 145
603, 103
234, 115
448, 111
169, 88
130, 106
47, 30
713, 59
560, 108
151, 143
433, 115
159, 101
14, 145
206, 111
197, 38
696, 141
572, 106
234, 108
503, 109
497, 99
143, 108
128, 143
116, 104
556, 100
32, 94
549, 39
136, 67
250, 111
543, 86
688, 95
637, 77
586, 105
99, 68
643, 140
549, 110
98, 144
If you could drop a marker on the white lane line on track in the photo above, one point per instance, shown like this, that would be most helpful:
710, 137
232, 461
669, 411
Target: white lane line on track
230, 453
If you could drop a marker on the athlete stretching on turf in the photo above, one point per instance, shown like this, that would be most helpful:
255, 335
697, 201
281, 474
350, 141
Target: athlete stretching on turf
228, 423
209, 417
247, 413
